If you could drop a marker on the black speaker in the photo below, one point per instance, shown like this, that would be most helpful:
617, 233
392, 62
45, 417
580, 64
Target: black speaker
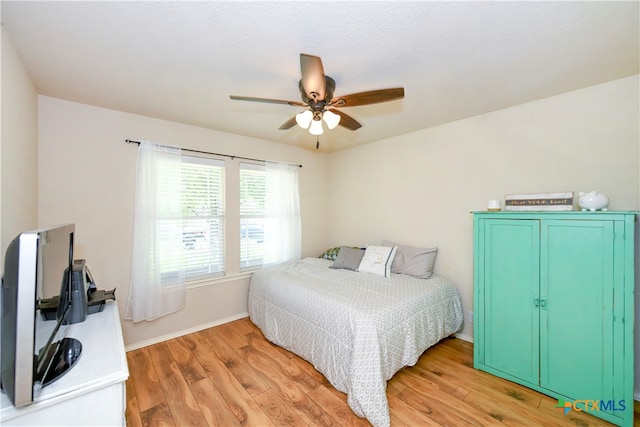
85, 299
80, 285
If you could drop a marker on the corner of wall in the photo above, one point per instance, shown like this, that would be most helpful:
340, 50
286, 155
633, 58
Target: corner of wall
19, 147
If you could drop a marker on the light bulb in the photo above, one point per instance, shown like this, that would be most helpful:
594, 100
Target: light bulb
304, 119
316, 127
331, 119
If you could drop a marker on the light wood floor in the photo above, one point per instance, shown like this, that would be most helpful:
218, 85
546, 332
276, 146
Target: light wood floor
231, 376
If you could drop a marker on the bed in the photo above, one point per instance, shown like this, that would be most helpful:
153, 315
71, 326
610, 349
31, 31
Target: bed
356, 328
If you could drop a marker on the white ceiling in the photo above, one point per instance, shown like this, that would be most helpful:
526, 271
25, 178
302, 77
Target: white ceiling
180, 61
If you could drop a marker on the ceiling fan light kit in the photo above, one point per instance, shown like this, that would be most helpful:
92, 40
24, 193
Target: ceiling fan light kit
316, 127
304, 119
331, 119
316, 90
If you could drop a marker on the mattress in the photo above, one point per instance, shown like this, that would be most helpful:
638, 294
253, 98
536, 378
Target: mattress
357, 329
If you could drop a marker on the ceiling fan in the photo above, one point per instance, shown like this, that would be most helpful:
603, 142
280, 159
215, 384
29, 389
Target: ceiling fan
317, 95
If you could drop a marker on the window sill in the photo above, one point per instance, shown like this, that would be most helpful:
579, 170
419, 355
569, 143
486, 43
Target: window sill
211, 281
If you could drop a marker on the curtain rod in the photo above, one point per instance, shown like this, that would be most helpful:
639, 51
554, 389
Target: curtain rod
131, 141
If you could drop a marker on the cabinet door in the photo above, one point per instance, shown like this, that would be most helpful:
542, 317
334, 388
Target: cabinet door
509, 275
576, 286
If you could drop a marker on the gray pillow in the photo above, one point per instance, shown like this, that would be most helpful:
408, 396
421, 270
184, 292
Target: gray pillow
417, 262
348, 258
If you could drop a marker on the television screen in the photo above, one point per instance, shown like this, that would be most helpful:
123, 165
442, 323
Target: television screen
34, 351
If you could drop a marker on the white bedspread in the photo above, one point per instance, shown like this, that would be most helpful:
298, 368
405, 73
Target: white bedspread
357, 329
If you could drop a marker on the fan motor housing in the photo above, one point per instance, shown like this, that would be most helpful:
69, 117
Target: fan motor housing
330, 86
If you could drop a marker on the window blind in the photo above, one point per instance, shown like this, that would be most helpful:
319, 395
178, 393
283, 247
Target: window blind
203, 216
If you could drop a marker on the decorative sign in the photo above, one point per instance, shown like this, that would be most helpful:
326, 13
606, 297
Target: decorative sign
539, 202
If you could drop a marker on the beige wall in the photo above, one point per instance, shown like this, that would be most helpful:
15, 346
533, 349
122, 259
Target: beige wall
419, 188
87, 176
18, 149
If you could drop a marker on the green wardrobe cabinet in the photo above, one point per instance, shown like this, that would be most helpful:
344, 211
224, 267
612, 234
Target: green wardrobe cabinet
553, 302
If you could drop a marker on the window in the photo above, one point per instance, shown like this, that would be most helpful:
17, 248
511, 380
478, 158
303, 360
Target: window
203, 219
252, 213
179, 223
269, 214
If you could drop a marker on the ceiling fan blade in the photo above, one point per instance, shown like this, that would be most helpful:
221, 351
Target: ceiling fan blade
288, 124
369, 97
346, 120
272, 101
313, 79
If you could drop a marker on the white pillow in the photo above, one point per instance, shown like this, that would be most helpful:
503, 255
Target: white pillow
378, 260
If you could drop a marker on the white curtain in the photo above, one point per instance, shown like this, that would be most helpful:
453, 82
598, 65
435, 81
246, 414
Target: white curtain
157, 285
282, 214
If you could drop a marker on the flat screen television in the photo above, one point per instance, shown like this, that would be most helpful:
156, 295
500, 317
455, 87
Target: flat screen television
35, 352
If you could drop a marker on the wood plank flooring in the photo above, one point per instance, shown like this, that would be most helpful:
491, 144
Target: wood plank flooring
231, 376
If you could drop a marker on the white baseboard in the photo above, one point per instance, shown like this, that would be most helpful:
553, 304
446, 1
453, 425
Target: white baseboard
219, 322
636, 395
465, 337
183, 332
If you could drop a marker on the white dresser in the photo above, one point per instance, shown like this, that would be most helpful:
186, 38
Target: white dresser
93, 391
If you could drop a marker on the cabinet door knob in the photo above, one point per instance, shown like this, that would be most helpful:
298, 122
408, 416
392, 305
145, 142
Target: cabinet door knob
543, 304
536, 302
